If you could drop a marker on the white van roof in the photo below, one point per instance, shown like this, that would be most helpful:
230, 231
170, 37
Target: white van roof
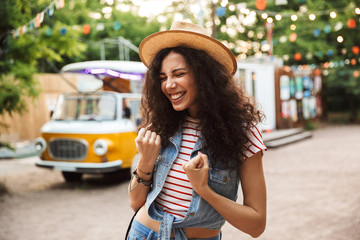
119, 66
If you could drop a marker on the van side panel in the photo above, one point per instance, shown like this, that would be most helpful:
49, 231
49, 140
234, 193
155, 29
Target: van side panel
79, 147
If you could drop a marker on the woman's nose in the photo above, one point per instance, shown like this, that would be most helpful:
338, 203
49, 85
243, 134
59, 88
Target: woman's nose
170, 84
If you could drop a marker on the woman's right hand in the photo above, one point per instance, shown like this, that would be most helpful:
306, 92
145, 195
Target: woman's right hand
148, 144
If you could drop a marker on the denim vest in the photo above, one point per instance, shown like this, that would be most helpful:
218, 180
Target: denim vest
200, 214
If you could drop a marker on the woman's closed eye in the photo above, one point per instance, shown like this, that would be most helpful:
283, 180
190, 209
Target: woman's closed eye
162, 78
180, 74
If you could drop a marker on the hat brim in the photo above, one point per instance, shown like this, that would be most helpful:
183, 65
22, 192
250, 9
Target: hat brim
152, 44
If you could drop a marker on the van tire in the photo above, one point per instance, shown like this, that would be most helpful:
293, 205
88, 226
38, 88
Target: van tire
72, 176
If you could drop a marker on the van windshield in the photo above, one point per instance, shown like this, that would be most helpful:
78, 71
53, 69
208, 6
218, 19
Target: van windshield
89, 107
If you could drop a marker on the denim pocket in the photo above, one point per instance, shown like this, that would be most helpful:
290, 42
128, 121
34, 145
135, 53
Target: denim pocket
220, 176
221, 181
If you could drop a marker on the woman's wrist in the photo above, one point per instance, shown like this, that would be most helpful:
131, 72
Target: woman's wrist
143, 175
205, 192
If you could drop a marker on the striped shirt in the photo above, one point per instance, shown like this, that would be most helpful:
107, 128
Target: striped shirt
255, 143
176, 195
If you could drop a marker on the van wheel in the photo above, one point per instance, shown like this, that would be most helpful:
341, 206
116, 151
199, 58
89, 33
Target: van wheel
72, 176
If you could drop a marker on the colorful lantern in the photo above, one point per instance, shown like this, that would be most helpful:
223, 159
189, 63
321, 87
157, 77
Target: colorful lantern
356, 74
260, 5
297, 56
355, 50
220, 11
86, 29
330, 52
292, 37
63, 31
351, 23
353, 61
117, 25
317, 32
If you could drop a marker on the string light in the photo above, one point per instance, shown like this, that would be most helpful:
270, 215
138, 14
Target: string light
264, 15
333, 14
312, 17
340, 39
357, 11
294, 17
293, 27
278, 17
269, 20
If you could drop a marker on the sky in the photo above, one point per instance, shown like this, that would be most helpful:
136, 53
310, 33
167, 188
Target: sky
151, 7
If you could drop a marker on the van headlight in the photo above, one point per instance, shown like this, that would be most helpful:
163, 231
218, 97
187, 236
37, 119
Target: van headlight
40, 144
100, 147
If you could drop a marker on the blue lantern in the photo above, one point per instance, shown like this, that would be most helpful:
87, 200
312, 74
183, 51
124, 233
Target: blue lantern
317, 32
220, 11
63, 31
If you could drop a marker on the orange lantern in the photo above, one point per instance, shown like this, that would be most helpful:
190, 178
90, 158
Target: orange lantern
292, 37
297, 56
260, 4
355, 50
351, 23
353, 61
317, 72
356, 74
86, 29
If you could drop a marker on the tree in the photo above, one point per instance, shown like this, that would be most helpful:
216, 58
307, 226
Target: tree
302, 41
20, 56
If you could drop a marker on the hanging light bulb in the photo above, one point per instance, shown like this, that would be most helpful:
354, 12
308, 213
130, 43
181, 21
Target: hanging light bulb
264, 16
293, 27
294, 18
340, 39
269, 20
312, 17
333, 14
278, 17
357, 11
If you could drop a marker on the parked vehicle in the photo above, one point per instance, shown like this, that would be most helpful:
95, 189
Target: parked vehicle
90, 132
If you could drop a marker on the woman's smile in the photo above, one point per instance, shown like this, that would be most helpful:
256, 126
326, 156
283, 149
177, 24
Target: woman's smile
177, 96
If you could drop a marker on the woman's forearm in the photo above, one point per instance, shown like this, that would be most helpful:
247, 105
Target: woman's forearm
138, 191
244, 218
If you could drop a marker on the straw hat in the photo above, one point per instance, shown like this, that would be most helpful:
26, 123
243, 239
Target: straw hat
186, 35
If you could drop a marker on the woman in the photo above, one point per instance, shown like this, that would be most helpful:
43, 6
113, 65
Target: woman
197, 142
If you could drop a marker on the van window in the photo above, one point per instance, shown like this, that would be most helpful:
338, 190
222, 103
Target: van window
131, 109
89, 107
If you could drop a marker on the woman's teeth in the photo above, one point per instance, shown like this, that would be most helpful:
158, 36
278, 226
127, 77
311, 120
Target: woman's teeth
176, 96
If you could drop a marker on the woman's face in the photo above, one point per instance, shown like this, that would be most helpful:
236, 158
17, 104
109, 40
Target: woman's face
178, 83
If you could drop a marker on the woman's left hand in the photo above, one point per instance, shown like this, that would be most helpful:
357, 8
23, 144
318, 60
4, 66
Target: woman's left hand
197, 170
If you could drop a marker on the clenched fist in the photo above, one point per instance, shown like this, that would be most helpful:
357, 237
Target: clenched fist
148, 144
197, 170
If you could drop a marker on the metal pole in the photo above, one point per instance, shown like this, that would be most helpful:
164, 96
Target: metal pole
102, 50
121, 49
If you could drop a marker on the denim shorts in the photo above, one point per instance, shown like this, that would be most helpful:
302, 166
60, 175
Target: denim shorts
139, 231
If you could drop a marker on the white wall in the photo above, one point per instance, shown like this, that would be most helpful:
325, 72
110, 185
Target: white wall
264, 90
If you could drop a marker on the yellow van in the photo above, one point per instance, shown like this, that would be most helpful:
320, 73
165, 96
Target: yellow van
90, 132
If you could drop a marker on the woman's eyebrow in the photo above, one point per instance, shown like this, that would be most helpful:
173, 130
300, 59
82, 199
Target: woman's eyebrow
178, 69
173, 71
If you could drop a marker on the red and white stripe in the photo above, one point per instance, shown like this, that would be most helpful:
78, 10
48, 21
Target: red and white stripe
176, 195
255, 143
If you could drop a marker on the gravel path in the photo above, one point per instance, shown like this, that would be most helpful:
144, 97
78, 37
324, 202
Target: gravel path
313, 193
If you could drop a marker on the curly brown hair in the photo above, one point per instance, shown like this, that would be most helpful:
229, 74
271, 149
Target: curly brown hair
225, 112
